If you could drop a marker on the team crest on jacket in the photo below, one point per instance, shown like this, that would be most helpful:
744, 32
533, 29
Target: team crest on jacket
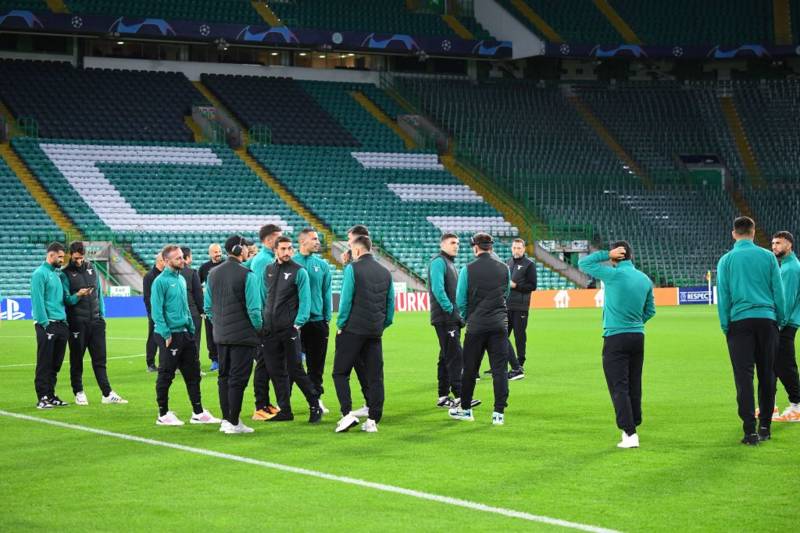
286, 275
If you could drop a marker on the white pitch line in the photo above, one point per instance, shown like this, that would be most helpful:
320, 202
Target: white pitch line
108, 359
475, 506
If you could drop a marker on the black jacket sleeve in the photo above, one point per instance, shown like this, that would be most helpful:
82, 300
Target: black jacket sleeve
528, 282
197, 291
147, 284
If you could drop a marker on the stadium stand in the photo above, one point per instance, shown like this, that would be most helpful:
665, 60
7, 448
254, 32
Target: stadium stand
233, 11
118, 110
21, 252
550, 159
386, 16
724, 22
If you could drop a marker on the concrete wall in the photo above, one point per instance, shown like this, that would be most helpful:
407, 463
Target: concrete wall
505, 27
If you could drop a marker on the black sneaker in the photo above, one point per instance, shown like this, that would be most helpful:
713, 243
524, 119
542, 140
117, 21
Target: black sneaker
474, 403
764, 434
152, 368
55, 401
516, 375
445, 401
282, 416
314, 416
44, 403
751, 439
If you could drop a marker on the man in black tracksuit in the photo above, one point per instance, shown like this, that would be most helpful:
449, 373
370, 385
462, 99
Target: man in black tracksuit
215, 254
366, 309
233, 302
446, 320
286, 311
483, 288
87, 325
194, 293
523, 282
151, 347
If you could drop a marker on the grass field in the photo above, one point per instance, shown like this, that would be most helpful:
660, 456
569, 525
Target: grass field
555, 456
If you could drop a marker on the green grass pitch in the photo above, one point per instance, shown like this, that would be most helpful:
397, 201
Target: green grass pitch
555, 456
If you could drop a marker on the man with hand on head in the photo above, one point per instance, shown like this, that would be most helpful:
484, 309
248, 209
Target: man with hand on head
174, 333
232, 302
628, 306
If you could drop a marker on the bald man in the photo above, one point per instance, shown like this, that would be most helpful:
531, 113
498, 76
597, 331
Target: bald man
215, 255
150, 346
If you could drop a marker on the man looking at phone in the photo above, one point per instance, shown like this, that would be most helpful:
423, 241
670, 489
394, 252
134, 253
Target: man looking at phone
87, 325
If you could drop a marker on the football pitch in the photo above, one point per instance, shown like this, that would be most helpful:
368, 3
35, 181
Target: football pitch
556, 457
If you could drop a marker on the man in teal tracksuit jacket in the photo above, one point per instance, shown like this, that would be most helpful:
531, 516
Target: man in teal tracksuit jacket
751, 307
50, 318
174, 333
628, 305
785, 361
314, 334
268, 234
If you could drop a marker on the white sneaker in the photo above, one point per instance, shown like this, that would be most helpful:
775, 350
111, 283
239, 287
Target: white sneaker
168, 419
364, 411
346, 422
370, 426
113, 397
204, 418
225, 426
461, 414
81, 399
325, 410
498, 419
629, 441
238, 428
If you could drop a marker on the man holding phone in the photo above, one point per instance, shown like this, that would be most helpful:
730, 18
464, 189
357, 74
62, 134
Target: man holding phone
87, 326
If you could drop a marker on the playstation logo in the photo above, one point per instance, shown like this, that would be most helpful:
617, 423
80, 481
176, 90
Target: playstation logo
11, 312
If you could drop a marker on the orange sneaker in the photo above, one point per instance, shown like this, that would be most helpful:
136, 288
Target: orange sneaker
790, 414
775, 412
271, 409
262, 415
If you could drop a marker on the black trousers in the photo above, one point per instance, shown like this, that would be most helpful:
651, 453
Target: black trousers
623, 359
198, 328
451, 359
210, 346
475, 344
235, 365
351, 351
51, 344
91, 335
151, 346
181, 354
518, 325
261, 379
285, 366
786, 364
314, 337
753, 342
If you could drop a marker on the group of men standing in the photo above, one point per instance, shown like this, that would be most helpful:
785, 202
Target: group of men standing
68, 310
273, 308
